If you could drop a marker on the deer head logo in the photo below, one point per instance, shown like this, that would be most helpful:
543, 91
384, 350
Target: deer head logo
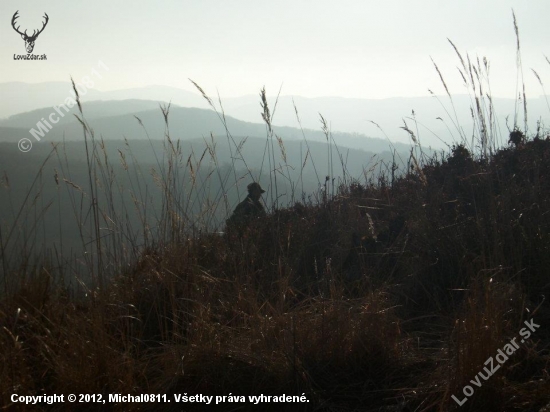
29, 40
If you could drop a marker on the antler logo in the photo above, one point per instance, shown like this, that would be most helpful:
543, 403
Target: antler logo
29, 40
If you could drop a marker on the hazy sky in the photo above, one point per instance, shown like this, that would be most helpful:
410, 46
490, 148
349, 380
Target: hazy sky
349, 48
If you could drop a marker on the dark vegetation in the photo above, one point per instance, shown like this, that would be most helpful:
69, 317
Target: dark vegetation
387, 293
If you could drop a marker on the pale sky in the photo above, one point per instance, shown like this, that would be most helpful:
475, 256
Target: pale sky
347, 48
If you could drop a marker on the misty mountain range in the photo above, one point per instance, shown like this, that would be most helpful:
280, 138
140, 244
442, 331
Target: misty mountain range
434, 115
120, 119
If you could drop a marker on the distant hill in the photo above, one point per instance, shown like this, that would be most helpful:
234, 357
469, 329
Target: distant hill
185, 123
94, 110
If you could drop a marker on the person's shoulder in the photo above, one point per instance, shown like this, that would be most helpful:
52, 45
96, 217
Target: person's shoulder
242, 205
259, 207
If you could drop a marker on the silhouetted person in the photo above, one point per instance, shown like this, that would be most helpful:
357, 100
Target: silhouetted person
249, 209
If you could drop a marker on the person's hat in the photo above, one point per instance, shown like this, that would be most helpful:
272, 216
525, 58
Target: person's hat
252, 187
